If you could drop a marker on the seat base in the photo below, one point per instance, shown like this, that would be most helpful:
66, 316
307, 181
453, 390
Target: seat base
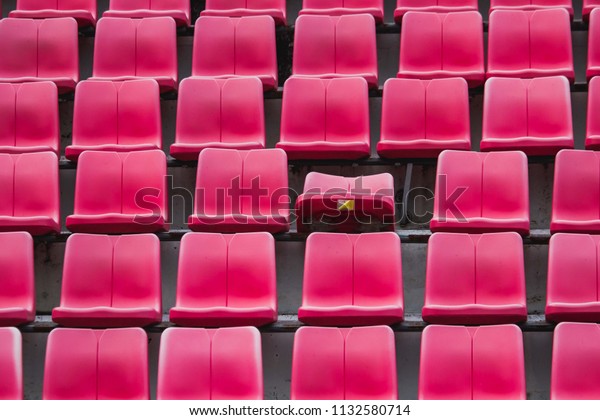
342, 11
528, 8
480, 225
116, 223
239, 223
347, 316
166, 84
190, 152
401, 11
422, 148
473, 78
73, 152
34, 225
371, 78
22, 150
12, 317
573, 312
222, 316
83, 17
106, 317
326, 150
269, 82
180, 17
575, 226
531, 146
592, 142
569, 73
475, 314
277, 15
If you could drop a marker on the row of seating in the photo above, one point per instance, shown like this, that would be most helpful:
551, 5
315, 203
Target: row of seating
468, 363
349, 280
521, 44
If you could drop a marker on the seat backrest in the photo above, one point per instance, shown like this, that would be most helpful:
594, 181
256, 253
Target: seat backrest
119, 113
335, 110
338, 364
111, 271
29, 115
232, 110
575, 362
17, 283
235, 271
200, 364
11, 364
421, 109
593, 108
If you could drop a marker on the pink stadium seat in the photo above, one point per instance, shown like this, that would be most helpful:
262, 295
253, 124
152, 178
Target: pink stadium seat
343, 7
128, 49
588, 6
531, 5
573, 278
352, 280
575, 200
11, 364
421, 118
39, 50
232, 113
227, 47
531, 115
226, 280
84, 11
120, 193
344, 364
29, 118
243, 8
116, 116
335, 46
325, 119
436, 46
346, 204
17, 282
217, 364
84, 364
248, 194
593, 62
475, 279
481, 192
576, 362
179, 10
110, 281
436, 6
592, 138
530, 44
30, 193
472, 363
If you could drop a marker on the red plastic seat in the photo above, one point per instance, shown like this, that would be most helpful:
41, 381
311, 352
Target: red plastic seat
346, 204
576, 362
475, 279
531, 115
110, 281
30, 193
116, 116
481, 192
179, 10
436, 6
335, 46
29, 118
247, 194
343, 7
84, 364
129, 49
232, 113
11, 364
84, 11
588, 6
120, 193
217, 364
17, 282
530, 44
352, 280
344, 364
592, 137
39, 50
532, 5
226, 280
472, 363
436, 46
228, 47
421, 118
593, 60
575, 200
244, 8
573, 278
325, 119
